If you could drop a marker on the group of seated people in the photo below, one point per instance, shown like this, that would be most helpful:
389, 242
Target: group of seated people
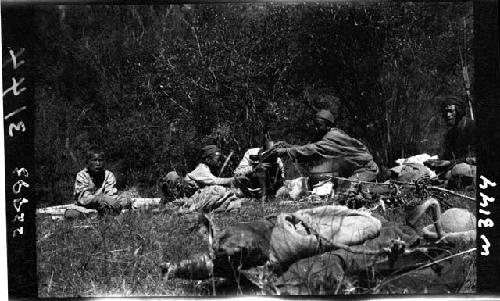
333, 154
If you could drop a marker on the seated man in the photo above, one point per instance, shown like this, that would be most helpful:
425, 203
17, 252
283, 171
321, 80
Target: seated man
333, 154
95, 187
253, 169
203, 174
458, 161
174, 187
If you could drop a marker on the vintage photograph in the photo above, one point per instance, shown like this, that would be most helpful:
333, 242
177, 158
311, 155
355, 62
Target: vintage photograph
254, 149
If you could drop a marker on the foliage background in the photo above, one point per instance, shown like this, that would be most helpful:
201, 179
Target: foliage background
151, 84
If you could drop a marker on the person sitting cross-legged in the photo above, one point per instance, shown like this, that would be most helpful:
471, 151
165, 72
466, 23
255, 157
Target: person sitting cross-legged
95, 187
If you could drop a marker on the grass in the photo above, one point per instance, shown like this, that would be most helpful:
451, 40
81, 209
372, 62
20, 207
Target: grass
120, 256
109, 256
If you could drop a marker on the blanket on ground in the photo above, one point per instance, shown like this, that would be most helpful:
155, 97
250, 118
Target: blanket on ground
211, 198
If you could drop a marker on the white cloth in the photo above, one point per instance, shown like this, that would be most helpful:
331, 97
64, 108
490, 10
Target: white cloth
417, 159
201, 176
85, 188
420, 159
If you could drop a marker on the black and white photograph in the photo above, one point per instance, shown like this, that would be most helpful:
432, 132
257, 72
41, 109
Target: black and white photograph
246, 149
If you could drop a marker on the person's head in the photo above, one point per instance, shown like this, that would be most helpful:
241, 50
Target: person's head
212, 156
170, 185
453, 110
268, 144
95, 160
323, 121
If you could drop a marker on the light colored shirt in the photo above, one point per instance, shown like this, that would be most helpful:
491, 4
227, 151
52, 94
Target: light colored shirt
201, 176
85, 189
245, 166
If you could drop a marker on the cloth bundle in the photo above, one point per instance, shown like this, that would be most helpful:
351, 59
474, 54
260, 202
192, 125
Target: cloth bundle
211, 198
412, 169
311, 231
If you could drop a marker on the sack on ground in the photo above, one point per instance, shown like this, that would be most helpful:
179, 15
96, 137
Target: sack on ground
313, 231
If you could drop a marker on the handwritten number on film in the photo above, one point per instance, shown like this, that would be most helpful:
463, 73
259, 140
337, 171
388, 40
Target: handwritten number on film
487, 222
18, 202
21, 171
15, 128
18, 127
16, 89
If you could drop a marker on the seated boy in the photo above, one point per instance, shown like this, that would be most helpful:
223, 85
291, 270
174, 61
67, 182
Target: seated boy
95, 187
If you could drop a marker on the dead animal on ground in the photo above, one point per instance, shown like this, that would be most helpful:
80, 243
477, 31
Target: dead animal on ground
312, 250
278, 241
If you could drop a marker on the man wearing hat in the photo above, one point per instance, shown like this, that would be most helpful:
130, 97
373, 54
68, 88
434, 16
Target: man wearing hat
458, 158
203, 174
333, 154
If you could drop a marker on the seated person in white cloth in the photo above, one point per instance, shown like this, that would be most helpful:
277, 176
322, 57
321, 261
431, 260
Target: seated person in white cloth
95, 187
203, 174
